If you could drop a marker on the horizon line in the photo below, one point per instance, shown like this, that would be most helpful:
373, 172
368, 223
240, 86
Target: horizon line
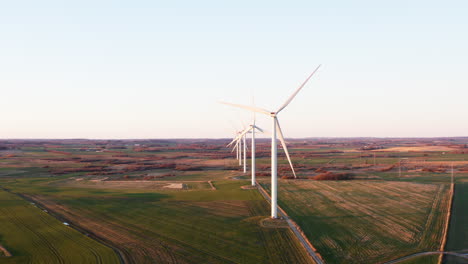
219, 138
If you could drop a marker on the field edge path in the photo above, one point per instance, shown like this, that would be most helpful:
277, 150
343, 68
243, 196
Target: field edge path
312, 252
447, 223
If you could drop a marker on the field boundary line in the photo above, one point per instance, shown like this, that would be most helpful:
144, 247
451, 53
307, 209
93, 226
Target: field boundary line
447, 223
296, 229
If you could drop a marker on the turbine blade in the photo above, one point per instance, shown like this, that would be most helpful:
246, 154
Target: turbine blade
297, 91
232, 142
251, 108
243, 133
254, 113
233, 148
239, 136
259, 129
281, 138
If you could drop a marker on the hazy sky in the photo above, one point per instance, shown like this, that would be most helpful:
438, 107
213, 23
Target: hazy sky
156, 69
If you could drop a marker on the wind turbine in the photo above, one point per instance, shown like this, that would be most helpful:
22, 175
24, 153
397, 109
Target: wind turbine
249, 129
235, 146
276, 129
238, 147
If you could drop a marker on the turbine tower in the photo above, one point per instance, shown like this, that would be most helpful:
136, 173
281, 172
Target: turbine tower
249, 129
245, 153
276, 129
240, 147
236, 146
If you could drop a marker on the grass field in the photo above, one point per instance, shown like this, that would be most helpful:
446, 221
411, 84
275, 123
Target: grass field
364, 221
197, 226
422, 260
33, 236
126, 193
457, 239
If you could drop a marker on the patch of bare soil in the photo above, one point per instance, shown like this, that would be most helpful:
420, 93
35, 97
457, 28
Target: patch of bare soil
274, 223
134, 184
212, 162
174, 186
418, 149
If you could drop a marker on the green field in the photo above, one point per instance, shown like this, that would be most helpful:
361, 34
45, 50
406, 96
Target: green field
422, 260
457, 239
155, 203
33, 236
365, 221
195, 226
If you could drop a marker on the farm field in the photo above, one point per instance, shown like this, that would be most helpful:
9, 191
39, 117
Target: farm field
457, 239
219, 226
180, 201
32, 236
367, 222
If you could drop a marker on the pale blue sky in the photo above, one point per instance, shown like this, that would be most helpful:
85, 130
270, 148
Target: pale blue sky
156, 69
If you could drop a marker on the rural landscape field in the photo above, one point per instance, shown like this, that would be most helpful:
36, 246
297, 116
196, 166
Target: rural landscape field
233, 132
363, 200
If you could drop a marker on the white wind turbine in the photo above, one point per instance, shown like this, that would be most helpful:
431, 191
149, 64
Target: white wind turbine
238, 147
235, 146
276, 128
250, 129
245, 153
241, 147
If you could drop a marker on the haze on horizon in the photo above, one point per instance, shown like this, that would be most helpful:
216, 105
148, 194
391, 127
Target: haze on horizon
145, 69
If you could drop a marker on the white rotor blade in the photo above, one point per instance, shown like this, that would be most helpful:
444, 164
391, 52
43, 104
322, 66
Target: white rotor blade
251, 108
259, 129
235, 135
254, 113
232, 142
235, 146
239, 136
247, 129
297, 91
281, 138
